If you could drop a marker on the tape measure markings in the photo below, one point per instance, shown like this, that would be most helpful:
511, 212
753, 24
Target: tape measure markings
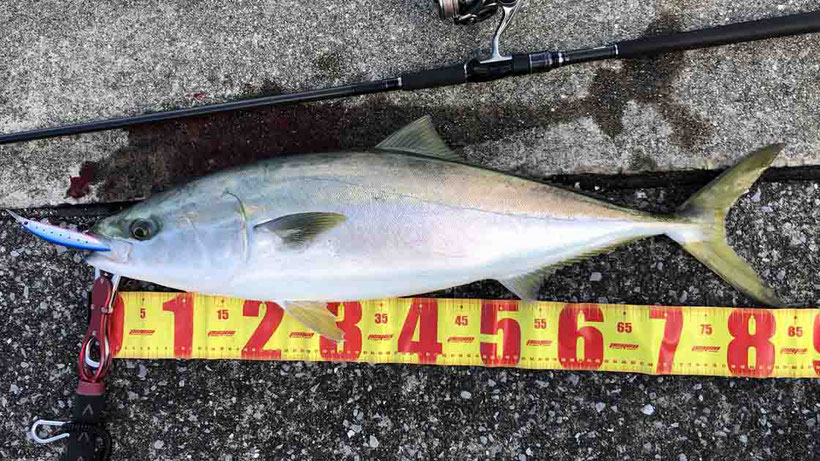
542, 335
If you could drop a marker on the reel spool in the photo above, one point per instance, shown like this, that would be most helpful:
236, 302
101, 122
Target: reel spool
466, 12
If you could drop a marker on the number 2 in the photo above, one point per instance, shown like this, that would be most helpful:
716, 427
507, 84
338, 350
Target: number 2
255, 347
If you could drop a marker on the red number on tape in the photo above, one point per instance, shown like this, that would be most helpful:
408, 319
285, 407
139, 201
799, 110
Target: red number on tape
255, 348
795, 331
142, 312
817, 343
671, 335
569, 333
737, 355
540, 324
353, 335
380, 317
461, 320
624, 327
490, 325
423, 312
705, 329
182, 307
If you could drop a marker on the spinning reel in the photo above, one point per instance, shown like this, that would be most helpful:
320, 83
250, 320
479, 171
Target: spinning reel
466, 12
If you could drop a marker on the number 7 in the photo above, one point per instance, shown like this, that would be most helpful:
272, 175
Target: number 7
671, 335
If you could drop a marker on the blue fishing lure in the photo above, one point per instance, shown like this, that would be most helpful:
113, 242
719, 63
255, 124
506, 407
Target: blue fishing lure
60, 236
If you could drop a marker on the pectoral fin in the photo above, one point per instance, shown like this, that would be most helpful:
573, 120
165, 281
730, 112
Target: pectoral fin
301, 228
314, 315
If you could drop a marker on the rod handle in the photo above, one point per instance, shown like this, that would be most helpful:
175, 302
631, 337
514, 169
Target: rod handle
796, 24
431, 78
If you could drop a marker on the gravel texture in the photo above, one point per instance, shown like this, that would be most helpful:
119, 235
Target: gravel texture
68, 62
174, 410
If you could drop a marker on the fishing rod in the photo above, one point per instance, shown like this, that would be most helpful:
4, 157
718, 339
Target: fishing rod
497, 66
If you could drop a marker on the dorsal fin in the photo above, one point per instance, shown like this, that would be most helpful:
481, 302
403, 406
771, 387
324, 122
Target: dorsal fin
419, 137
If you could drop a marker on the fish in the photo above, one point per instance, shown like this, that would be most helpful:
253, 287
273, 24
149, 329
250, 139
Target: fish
406, 217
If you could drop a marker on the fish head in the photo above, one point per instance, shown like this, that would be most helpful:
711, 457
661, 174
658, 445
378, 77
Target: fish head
173, 239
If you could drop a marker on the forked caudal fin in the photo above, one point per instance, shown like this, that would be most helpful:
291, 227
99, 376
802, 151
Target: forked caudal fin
708, 208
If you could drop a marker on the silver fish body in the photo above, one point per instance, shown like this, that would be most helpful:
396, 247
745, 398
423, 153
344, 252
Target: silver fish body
367, 225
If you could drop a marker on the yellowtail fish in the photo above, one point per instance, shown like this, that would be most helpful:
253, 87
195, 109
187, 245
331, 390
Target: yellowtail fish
406, 217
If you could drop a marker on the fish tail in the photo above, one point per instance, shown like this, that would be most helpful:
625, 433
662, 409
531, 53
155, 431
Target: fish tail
707, 210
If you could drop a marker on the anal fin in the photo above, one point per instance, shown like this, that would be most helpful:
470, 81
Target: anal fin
526, 286
314, 315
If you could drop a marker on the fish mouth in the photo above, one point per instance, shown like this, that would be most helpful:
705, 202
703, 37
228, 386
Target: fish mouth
116, 257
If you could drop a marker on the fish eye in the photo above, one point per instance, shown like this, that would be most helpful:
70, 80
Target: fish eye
143, 229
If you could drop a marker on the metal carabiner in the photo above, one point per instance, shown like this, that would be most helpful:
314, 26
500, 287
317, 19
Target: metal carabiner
45, 422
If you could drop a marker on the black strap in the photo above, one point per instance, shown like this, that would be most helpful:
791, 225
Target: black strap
87, 451
84, 430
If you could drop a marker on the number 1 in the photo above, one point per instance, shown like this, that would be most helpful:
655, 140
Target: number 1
182, 307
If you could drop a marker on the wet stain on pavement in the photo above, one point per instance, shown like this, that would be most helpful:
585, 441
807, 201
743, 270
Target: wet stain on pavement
647, 81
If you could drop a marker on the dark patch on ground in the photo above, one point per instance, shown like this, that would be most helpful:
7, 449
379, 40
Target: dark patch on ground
268, 88
330, 65
79, 185
648, 81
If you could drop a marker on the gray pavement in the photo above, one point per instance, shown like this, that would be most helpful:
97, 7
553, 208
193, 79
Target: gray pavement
68, 62
175, 410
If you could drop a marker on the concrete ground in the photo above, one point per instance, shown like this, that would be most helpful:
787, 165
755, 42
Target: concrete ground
174, 410
68, 62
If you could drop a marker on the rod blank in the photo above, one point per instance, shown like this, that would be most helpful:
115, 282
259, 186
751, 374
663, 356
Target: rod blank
796, 24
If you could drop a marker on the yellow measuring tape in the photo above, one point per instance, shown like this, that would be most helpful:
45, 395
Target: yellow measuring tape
537, 335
